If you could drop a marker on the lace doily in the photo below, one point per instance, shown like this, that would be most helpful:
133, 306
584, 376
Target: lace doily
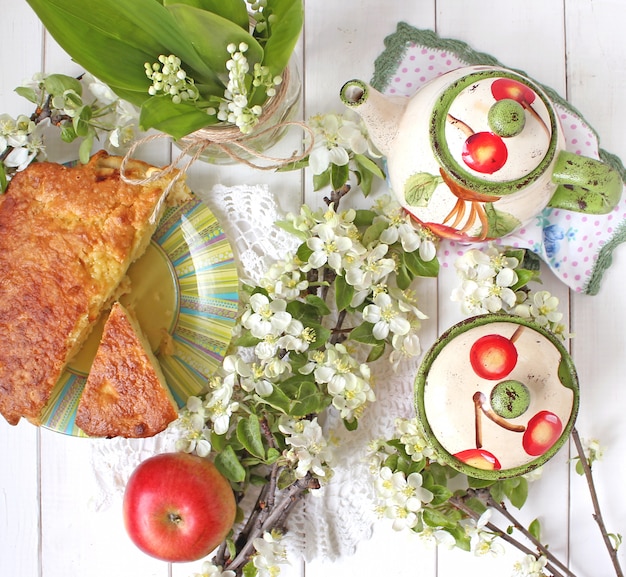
330, 522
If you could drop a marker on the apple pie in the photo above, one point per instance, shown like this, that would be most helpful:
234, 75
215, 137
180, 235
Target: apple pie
126, 394
67, 238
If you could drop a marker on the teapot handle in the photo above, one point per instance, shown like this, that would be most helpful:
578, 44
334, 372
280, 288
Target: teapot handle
585, 184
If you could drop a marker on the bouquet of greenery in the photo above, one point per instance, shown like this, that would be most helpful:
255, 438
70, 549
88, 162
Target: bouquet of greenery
187, 64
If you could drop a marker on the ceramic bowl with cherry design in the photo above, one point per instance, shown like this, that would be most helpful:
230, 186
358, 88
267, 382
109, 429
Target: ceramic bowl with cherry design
497, 396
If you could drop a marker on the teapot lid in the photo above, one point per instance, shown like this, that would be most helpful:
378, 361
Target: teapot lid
493, 131
497, 396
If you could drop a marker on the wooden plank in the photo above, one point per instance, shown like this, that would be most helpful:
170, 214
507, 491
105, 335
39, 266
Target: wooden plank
597, 87
19, 472
19, 499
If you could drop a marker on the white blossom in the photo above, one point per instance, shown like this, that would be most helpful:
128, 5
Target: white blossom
530, 566
386, 317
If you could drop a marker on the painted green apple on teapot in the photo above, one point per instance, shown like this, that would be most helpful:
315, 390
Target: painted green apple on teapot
478, 152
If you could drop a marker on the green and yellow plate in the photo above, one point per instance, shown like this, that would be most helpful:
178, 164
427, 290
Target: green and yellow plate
185, 292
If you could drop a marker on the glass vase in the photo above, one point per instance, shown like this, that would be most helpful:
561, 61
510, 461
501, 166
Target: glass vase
225, 144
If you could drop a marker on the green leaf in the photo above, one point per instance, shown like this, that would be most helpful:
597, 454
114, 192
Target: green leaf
524, 277
250, 436
440, 494
113, 39
304, 252
84, 150
228, 464
57, 84
517, 492
285, 23
67, 132
352, 425
295, 165
343, 293
80, 122
321, 180
535, 529
272, 455
420, 267
339, 175
233, 10
369, 165
28, 93
279, 400
3, 178
307, 399
364, 217
376, 352
434, 518
178, 120
365, 180
210, 34
403, 277
579, 468
373, 232
363, 334
318, 303
249, 570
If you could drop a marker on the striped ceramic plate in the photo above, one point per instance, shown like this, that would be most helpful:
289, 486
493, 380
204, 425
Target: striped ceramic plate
185, 294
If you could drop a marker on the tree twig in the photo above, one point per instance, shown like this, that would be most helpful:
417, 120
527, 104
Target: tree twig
597, 515
500, 507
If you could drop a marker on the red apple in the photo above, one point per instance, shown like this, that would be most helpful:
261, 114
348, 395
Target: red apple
493, 357
178, 507
479, 458
542, 431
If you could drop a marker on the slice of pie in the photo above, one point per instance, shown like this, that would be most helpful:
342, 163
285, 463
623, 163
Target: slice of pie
67, 238
126, 394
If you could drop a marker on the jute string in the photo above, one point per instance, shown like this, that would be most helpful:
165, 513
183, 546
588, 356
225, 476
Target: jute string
228, 139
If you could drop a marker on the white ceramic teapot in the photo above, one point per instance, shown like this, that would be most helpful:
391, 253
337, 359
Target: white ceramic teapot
478, 152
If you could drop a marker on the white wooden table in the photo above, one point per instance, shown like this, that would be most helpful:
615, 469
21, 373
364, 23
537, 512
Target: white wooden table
47, 525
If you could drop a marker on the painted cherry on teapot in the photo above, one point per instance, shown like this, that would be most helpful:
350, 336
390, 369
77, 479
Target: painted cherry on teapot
478, 152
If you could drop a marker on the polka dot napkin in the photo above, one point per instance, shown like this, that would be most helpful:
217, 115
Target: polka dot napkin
577, 247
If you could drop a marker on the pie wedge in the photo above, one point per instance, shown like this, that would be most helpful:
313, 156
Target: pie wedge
126, 394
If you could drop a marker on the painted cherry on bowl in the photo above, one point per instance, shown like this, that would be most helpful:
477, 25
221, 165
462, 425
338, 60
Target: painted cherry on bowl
479, 458
493, 357
542, 431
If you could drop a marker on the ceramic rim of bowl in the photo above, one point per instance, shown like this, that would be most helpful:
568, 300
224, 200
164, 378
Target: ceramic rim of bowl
472, 180
566, 375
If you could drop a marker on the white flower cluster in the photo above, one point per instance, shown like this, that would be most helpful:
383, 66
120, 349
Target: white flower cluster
347, 380
488, 276
414, 442
23, 137
211, 570
336, 136
530, 566
400, 498
482, 540
170, 79
270, 554
116, 117
235, 106
309, 450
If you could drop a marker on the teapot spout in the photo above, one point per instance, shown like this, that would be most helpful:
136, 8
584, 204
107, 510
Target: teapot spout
381, 114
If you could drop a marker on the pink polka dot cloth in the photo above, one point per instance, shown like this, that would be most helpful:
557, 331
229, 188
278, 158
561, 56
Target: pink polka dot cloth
577, 247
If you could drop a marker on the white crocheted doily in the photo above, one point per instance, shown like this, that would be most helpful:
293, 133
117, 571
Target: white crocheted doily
331, 522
